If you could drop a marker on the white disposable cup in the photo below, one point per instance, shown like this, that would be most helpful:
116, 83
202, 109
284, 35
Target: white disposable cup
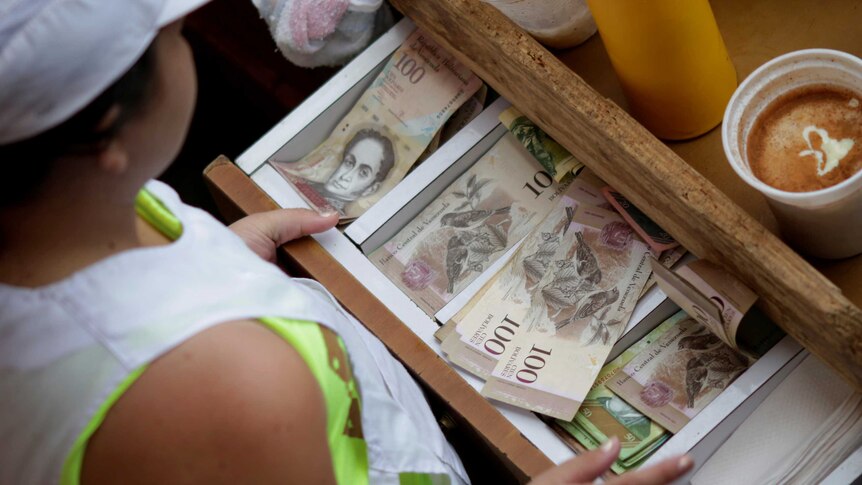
555, 23
824, 223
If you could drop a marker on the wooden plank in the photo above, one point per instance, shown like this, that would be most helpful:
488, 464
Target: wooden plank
754, 34
236, 195
794, 294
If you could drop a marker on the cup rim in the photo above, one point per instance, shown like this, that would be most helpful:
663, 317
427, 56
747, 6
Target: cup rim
744, 87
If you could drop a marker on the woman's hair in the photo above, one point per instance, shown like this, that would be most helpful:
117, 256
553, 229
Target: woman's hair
34, 157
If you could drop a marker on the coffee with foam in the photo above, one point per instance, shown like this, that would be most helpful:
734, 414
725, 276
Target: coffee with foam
807, 139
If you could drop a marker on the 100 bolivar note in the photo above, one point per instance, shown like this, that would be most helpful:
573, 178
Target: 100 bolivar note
474, 343
473, 222
374, 146
576, 314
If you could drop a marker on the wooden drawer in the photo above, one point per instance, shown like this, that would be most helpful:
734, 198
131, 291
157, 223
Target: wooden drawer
523, 443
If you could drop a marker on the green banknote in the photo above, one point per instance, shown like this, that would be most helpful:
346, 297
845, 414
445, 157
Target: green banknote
638, 458
603, 414
619, 466
556, 160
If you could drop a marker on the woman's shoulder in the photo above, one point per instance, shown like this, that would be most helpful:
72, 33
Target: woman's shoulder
235, 403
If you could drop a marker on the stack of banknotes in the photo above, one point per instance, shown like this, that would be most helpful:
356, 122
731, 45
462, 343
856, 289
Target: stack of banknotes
604, 414
539, 331
653, 388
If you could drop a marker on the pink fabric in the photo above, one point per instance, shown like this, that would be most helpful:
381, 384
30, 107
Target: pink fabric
315, 19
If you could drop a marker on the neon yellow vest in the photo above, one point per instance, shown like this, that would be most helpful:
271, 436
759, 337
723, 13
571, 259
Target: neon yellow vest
321, 349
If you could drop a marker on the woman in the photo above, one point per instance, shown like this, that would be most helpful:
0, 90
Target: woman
141, 341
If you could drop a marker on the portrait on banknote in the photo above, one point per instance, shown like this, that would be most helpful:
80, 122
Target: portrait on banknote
338, 176
385, 133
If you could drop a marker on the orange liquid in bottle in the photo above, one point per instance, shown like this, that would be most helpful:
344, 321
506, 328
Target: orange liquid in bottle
671, 61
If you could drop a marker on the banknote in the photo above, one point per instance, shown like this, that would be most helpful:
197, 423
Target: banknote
619, 466
603, 414
637, 459
459, 119
465, 114
657, 238
557, 160
444, 331
377, 142
480, 323
587, 189
446, 336
456, 350
675, 377
722, 303
575, 314
483, 213
667, 259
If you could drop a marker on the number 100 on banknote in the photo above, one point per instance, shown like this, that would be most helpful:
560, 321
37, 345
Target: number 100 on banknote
374, 146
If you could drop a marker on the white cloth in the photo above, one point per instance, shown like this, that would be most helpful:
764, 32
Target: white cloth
797, 430
313, 33
64, 347
56, 56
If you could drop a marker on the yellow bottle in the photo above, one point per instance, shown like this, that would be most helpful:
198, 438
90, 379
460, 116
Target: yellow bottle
671, 61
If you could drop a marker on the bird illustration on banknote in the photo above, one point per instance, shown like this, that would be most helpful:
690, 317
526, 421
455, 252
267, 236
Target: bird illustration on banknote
705, 341
712, 369
471, 249
537, 263
470, 219
594, 302
570, 215
587, 264
491, 238
456, 256
565, 289
588, 304
599, 329
695, 376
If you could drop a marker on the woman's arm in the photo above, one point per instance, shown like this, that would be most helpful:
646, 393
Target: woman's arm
233, 404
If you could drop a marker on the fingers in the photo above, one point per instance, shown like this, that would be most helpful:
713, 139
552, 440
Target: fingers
584, 468
587, 467
664, 472
288, 224
266, 231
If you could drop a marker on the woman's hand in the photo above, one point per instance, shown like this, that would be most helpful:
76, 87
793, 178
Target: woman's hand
587, 467
266, 231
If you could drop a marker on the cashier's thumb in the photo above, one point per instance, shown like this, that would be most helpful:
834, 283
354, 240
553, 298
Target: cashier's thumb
264, 232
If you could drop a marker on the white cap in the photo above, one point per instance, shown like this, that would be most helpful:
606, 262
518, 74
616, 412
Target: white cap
56, 56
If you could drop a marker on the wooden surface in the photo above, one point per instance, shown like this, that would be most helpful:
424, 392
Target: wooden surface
236, 195
691, 208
